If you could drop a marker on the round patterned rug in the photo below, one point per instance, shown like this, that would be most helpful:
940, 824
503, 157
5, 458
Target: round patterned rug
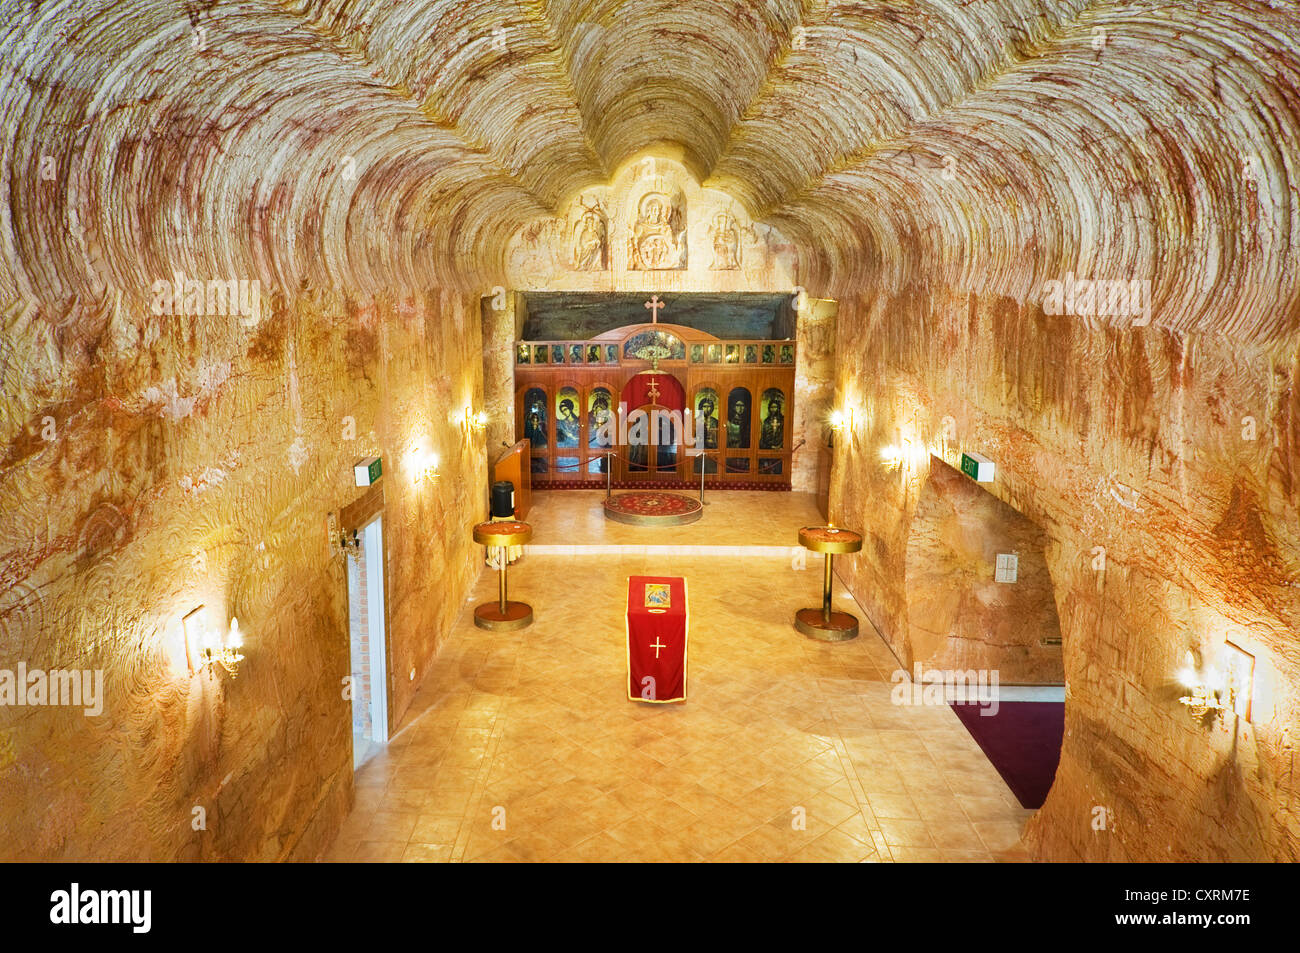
653, 508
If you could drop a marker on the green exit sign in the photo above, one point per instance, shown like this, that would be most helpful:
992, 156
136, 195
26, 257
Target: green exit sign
977, 467
367, 471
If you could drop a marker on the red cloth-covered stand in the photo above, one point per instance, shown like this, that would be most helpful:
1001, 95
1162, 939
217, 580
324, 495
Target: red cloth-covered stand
657, 620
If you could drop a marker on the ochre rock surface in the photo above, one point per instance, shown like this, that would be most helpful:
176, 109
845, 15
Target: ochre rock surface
1172, 530
937, 168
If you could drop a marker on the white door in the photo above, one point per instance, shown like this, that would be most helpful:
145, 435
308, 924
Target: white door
367, 641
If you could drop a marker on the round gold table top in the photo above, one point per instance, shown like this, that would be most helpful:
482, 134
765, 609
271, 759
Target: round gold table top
830, 539
503, 533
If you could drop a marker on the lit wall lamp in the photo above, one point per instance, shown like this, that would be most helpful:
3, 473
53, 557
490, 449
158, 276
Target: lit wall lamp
1205, 690
904, 455
209, 649
842, 421
422, 464
472, 423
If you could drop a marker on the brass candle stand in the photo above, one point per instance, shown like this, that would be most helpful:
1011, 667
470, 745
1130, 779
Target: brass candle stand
824, 623
503, 614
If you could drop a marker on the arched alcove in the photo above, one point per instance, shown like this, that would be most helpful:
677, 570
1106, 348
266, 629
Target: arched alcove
958, 615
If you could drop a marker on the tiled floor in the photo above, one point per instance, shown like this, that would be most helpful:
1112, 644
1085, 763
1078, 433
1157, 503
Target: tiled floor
522, 746
731, 518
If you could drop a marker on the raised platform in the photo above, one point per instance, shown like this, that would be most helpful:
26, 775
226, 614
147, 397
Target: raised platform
736, 523
653, 508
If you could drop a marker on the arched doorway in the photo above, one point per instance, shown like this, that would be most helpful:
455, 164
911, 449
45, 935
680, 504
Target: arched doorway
962, 612
651, 447
981, 611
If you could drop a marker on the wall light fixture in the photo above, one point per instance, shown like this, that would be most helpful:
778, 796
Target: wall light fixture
209, 649
1205, 690
472, 422
422, 464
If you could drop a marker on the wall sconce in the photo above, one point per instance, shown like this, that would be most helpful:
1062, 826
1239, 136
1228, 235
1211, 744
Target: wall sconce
428, 468
1205, 691
897, 456
350, 545
211, 649
472, 423
842, 422
904, 455
422, 464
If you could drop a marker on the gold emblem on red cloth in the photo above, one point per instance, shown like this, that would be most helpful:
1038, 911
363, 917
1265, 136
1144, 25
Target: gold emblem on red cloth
658, 597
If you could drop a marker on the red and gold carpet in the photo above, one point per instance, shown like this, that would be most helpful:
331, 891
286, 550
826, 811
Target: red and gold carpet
653, 508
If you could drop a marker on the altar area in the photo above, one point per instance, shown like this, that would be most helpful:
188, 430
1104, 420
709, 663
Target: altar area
539, 721
735, 523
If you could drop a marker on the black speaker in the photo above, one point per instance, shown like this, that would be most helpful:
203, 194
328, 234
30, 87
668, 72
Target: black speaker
503, 500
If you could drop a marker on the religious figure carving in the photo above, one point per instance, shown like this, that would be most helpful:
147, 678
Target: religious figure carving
726, 242
590, 248
658, 240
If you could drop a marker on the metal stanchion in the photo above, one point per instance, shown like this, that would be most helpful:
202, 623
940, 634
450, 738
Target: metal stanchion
609, 473
704, 466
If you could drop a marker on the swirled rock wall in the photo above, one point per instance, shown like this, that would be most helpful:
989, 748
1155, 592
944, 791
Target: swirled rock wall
194, 462
1163, 469
941, 168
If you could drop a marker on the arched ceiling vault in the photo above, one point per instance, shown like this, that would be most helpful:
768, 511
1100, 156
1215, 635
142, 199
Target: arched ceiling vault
378, 146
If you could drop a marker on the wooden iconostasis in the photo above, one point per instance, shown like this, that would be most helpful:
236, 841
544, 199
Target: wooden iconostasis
739, 394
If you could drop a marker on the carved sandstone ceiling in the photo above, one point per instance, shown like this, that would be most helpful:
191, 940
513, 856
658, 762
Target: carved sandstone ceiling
374, 145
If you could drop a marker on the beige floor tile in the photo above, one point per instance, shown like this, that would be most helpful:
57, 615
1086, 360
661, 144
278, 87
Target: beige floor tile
950, 835
601, 849
391, 826
535, 847
895, 806
537, 723
998, 835
834, 847
379, 851
436, 828
918, 855
427, 853
709, 836
900, 833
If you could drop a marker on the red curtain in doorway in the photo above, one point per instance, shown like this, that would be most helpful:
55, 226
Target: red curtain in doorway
671, 393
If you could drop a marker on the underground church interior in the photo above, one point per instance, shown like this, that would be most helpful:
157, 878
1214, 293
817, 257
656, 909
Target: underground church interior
646, 431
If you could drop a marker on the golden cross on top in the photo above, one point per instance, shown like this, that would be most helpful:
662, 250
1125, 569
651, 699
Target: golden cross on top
653, 389
653, 306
